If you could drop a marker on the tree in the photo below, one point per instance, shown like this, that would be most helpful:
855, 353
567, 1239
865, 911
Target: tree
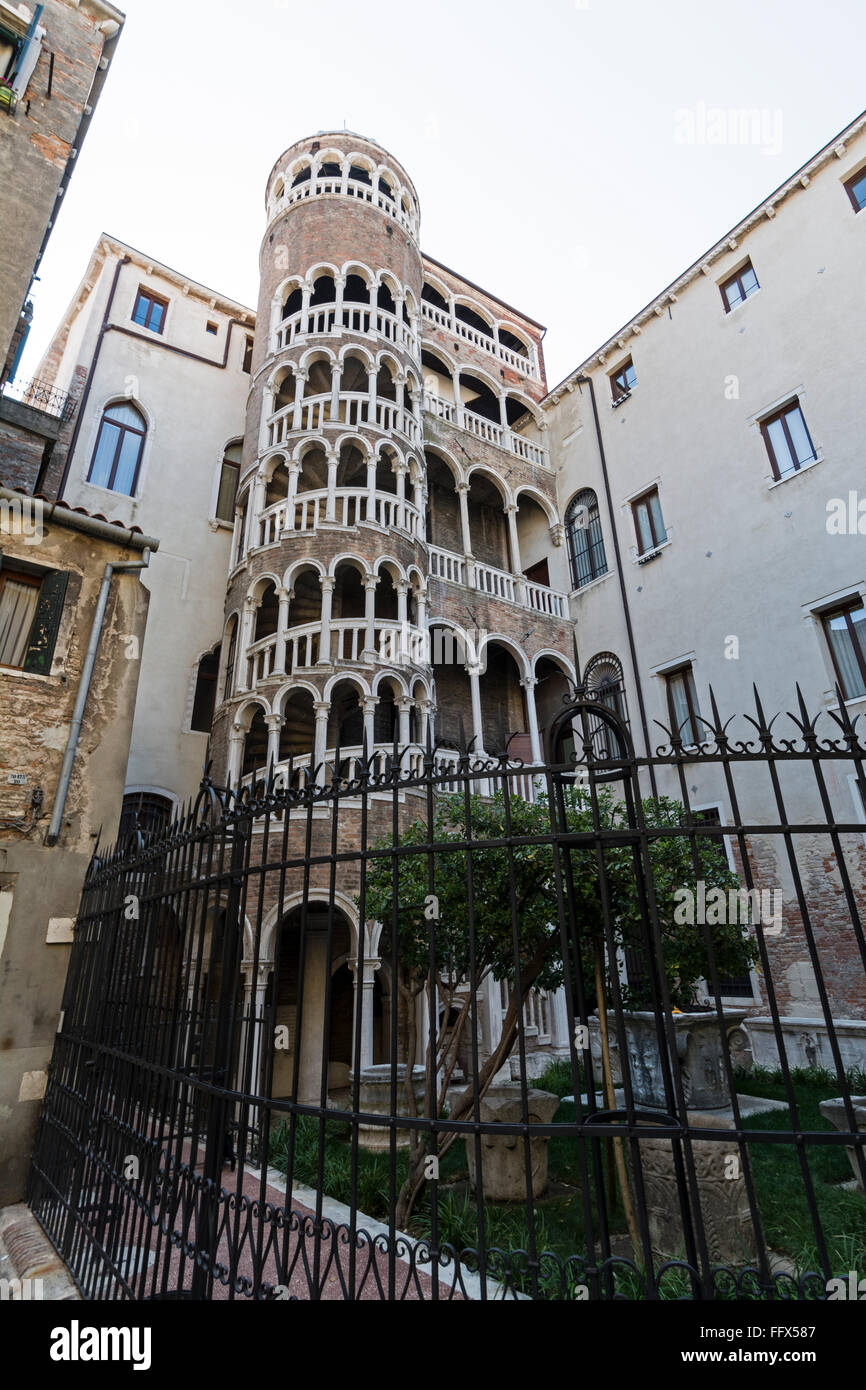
477, 895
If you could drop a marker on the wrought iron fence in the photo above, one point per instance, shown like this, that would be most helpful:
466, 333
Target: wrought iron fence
421, 1035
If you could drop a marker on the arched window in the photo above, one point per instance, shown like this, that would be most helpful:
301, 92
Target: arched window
603, 681
585, 540
205, 692
147, 811
231, 654
228, 488
119, 446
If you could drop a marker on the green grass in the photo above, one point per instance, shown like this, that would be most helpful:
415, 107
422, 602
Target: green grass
560, 1220
779, 1182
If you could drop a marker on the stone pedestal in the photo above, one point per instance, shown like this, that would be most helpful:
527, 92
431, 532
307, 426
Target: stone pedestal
700, 1046
834, 1111
376, 1100
503, 1158
725, 1214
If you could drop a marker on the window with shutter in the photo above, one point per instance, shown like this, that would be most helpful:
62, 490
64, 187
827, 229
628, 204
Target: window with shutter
31, 607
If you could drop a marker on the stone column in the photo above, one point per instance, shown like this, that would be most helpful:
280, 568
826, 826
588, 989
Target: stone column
331, 507
237, 738
242, 677
402, 472
340, 286
311, 1018
463, 494
405, 708
275, 724
320, 746
370, 653
529, 683
458, 400
371, 704
371, 489
364, 1000
285, 597
503, 413
371, 388
294, 478
306, 296
474, 673
336, 381
328, 584
425, 716
402, 603
559, 1022
298, 415
421, 601
514, 547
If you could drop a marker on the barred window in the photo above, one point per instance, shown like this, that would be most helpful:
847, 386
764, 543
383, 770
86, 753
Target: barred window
586, 551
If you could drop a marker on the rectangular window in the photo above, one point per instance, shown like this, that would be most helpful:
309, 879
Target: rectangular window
150, 311
739, 287
212, 328
248, 356
788, 441
683, 706
856, 190
648, 521
31, 606
623, 382
228, 491
846, 636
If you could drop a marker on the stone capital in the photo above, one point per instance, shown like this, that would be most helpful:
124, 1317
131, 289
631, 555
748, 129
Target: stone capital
328, 583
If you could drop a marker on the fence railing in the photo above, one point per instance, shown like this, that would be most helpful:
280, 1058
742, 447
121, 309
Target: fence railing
41, 395
409, 1031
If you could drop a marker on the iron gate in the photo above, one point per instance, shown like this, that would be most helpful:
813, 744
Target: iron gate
626, 986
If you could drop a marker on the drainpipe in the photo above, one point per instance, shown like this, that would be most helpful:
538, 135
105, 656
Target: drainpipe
622, 588
53, 834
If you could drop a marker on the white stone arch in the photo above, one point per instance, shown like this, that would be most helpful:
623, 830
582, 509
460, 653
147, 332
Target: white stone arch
485, 471
391, 674
347, 558
361, 270
426, 686
500, 639
384, 171
394, 562
192, 684
393, 448
358, 441
246, 711
472, 652
271, 462
361, 161
289, 689
388, 358
287, 287
327, 156
485, 377
351, 678
545, 503
516, 331
432, 279
298, 166
551, 654
272, 921
412, 304
298, 566
315, 272
451, 461
513, 393
258, 585
359, 351
465, 301
447, 358
309, 445
316, 354
412, 572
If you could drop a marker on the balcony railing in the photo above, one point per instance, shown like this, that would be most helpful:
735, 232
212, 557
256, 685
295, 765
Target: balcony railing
393, 645
454, 327
354, 408
355, 318
455, 569
309, 512
41, 395
465, 419
350, 188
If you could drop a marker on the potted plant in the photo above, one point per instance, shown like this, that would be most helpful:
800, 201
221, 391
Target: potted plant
8, 97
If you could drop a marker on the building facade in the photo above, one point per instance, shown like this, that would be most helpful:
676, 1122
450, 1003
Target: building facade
72, 622
426, 538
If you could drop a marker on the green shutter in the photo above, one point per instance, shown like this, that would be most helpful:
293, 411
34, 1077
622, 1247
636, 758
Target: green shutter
46, 623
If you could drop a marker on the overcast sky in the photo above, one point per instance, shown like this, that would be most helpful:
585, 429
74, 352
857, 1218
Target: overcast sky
556, 144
